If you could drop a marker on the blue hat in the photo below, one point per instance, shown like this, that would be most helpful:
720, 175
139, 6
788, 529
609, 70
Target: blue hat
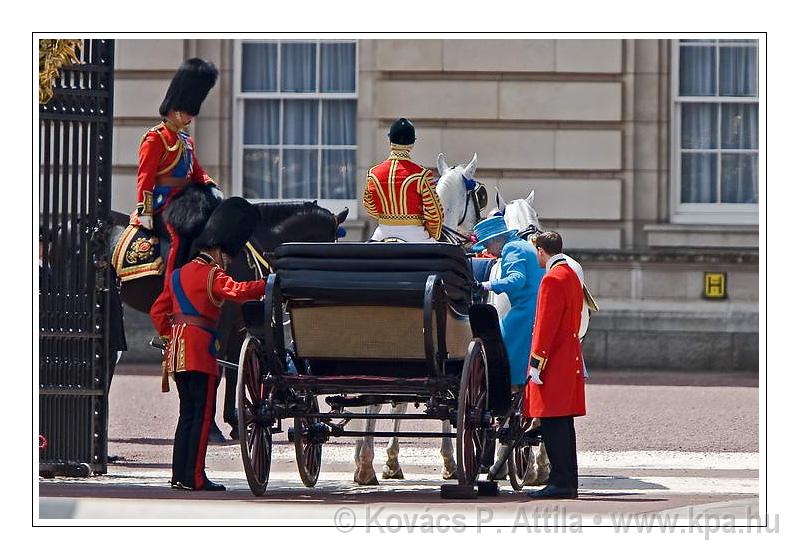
489, 229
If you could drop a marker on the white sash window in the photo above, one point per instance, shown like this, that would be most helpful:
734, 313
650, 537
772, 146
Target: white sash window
295, 119
715, 131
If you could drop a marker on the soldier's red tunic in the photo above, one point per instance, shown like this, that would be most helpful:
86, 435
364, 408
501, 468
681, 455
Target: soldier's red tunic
188, 309
165, 152
399, 192
555, 348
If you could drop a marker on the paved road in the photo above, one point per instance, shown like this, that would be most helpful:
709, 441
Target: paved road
652, 442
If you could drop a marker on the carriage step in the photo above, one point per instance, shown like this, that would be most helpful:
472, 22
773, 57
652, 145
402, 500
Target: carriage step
458, 492
488, 488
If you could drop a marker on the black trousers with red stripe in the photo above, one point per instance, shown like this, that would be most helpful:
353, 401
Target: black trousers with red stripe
197, 392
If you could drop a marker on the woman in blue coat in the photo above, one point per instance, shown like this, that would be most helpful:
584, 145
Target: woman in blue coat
520, 276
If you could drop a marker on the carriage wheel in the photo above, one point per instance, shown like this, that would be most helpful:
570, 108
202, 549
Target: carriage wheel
255, 434
519, 461
472, 401
307, 453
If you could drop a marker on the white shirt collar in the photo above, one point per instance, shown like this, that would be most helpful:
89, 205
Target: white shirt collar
553, 259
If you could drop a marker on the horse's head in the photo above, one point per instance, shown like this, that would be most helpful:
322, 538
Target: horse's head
284, 222
519, 214
462, 196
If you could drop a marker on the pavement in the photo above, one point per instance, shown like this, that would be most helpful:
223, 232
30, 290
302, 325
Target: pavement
674, 445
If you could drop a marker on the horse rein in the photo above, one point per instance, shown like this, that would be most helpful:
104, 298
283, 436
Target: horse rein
261, 265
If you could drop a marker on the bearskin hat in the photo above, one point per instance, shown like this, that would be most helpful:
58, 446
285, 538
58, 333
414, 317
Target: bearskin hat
402, 132
190, 209
189, 87
230, 226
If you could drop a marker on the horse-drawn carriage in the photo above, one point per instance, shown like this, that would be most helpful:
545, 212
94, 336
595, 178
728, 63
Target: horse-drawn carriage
375, 323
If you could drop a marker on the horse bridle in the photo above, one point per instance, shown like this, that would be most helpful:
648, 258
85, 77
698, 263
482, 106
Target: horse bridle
476, 196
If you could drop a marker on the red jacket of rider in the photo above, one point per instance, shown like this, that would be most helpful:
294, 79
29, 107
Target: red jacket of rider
188, 310
165, 151
400, 192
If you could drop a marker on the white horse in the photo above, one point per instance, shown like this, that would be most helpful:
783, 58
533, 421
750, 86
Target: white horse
457, 190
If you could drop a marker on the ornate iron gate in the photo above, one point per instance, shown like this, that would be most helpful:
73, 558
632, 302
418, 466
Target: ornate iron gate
75, 131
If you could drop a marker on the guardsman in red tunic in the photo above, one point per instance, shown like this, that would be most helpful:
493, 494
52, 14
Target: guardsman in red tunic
555, 393
186, 314
401, 195
168, 160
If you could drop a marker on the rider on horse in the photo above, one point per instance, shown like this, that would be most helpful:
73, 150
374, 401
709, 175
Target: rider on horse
401, 195
168, 160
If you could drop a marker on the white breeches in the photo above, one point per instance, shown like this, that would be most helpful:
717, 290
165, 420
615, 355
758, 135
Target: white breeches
409, 234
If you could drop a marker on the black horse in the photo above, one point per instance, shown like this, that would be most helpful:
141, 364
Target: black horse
281, 222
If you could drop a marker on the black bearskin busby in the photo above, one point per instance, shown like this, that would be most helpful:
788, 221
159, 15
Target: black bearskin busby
189, 211
402, 132
189, 87
230, 226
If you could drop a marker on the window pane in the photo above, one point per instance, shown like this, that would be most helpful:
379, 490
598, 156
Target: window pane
337, 70
738, 71
699, 125
740, 178
260, 173
300, 119
259, 67
740, 126
699, 178
298, 67
698, 71
338, 174
261, 121
299, 174
339, 123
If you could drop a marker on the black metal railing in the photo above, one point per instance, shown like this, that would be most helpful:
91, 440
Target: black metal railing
75, 128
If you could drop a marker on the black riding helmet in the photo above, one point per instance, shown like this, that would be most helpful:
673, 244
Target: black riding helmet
402, 132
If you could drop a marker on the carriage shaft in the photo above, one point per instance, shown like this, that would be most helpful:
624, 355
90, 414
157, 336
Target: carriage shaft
350, 433
366, 415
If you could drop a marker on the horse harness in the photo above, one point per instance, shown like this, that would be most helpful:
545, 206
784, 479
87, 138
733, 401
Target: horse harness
475, 194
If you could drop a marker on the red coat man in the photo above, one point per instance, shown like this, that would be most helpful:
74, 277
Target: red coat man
556, 349
555, 394
186, 313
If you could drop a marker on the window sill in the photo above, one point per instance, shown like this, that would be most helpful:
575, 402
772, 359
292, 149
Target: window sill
742, 236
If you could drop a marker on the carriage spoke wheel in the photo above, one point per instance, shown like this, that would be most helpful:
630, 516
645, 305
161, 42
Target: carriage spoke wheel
472, 402
255, 435
519, 461
306, 451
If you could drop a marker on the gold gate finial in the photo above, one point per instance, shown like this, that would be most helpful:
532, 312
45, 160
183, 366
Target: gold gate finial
53, 54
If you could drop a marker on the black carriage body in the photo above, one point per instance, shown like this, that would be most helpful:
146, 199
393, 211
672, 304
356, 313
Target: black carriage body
371, 323
373, 318
75, 133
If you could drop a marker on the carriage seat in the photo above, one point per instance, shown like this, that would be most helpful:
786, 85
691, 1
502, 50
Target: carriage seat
373, 273
364, 301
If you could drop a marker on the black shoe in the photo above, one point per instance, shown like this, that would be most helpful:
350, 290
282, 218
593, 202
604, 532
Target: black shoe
215, 434
551, 492
178, 485
211, 486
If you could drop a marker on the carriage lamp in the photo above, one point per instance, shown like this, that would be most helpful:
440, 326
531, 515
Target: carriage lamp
715, 285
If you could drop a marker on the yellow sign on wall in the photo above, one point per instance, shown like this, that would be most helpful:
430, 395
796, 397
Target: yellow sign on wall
715, 285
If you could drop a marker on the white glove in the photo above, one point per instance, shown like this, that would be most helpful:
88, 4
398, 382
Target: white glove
217, 192
534, 373
146, 221
487, 286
